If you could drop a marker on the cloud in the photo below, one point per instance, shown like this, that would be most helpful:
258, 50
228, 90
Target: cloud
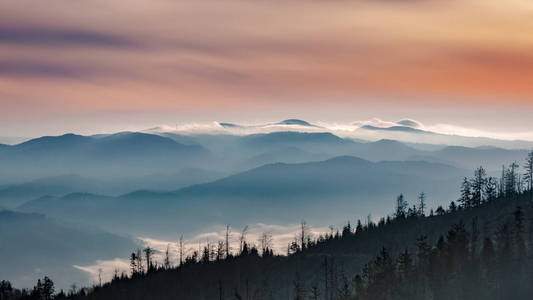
376, 122
105, 268
269, 127
211, 73
451, 129
235, 129
15, 68
61, 70
449, 134
410, 123
37, 36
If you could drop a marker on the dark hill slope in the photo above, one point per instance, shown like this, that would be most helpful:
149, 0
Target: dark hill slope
327, 265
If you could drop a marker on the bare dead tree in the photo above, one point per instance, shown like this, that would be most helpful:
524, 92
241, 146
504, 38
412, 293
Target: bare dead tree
148, 253
422, 204
304, 235
99, 276
242, 238
265, 241
167, 258
227, 240
181, 249
138, 256
220, 250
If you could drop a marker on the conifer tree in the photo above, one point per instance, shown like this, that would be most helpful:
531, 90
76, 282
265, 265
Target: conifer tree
405, 265
47, 289
453, 207
502, 182
511, 180
133, 264
138, 256
440, 211
422, 204
466, 194
478, 185
148, 254
401, 207
359, 227
491, 191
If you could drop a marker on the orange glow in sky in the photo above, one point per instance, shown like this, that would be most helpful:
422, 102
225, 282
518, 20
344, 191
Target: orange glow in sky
202, 59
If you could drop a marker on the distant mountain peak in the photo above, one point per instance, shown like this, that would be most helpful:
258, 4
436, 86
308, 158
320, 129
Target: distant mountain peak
394, 128
134, 136
69, 138
389, 142
229, 125
343, 159
296, 122
410, 123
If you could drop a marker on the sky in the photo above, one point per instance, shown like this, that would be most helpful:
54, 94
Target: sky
109, 65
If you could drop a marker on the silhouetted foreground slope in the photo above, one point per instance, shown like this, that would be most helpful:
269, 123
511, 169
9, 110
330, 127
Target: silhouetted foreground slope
482, 252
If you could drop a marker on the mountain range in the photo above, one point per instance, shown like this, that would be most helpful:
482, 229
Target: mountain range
273, 193
119, 163
105, 156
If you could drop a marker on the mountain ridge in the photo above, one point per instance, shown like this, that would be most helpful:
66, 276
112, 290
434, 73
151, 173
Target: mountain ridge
273, 192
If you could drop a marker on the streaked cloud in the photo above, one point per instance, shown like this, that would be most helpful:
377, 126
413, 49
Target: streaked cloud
26, 68
39, 36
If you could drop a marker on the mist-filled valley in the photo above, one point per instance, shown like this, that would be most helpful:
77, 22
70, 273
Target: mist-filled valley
75, 206
34, 246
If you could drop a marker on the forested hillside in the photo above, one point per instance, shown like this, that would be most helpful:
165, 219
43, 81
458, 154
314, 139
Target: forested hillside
480, 247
